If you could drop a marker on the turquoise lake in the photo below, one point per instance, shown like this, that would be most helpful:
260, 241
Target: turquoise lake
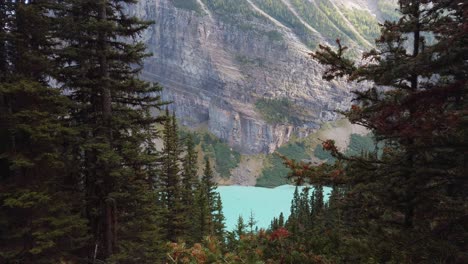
265, 203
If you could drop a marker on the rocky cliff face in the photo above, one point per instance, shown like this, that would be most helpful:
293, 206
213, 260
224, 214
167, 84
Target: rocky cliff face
216, 58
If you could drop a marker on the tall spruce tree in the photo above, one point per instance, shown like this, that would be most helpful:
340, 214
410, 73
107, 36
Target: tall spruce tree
39, 203
218, 218
190, 169
304, 212
240, 228
99, 58
293, 220
277, 222
318, 202
251, 223
206, 203
189, 185
409, 203
175, 221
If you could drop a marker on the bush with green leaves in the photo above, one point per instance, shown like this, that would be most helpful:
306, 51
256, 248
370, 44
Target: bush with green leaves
224, 156
277, 111
275, 174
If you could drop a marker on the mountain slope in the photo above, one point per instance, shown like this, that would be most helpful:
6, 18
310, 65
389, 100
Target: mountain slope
218, 58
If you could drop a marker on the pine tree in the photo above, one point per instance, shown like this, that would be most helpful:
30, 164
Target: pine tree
240, 227
190, 169
281, 220
190, 183
319, 204
175, 222
292, 223
39, 202
415, 190
99, 64
304, 213
277, 222
207, 182
274, 224
251, 223
332, 210
207, 209
218, 217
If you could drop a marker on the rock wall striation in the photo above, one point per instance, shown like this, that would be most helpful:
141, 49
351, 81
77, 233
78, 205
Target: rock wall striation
214, 68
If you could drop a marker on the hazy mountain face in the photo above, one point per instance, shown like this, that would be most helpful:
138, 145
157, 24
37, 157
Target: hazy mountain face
241, 69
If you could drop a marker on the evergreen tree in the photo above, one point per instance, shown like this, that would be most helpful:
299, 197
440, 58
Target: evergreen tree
175, 222
292, 223
190, 183
58, 154
98, 70
274, 224
218, 217
318, 204
206, 203
190, 168
415, 190
281, 220
304, 212
240, 227
332, 211
251, 223
39, 203
201, 214
207, 182
277, 222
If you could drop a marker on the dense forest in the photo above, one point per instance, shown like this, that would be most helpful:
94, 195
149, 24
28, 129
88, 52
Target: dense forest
82, 179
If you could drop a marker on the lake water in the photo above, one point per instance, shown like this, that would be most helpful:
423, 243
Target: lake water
265, 203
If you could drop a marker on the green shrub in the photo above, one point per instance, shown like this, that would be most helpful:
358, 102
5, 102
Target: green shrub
276, 173
185, 133
277, 111
225, 158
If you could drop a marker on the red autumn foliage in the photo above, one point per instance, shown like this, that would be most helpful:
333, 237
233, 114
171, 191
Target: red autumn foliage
279, 234
329, 145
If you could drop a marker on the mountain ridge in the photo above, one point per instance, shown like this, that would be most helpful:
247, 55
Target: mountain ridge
217, 58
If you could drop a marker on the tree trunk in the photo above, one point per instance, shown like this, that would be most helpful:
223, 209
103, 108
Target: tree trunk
106, 107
